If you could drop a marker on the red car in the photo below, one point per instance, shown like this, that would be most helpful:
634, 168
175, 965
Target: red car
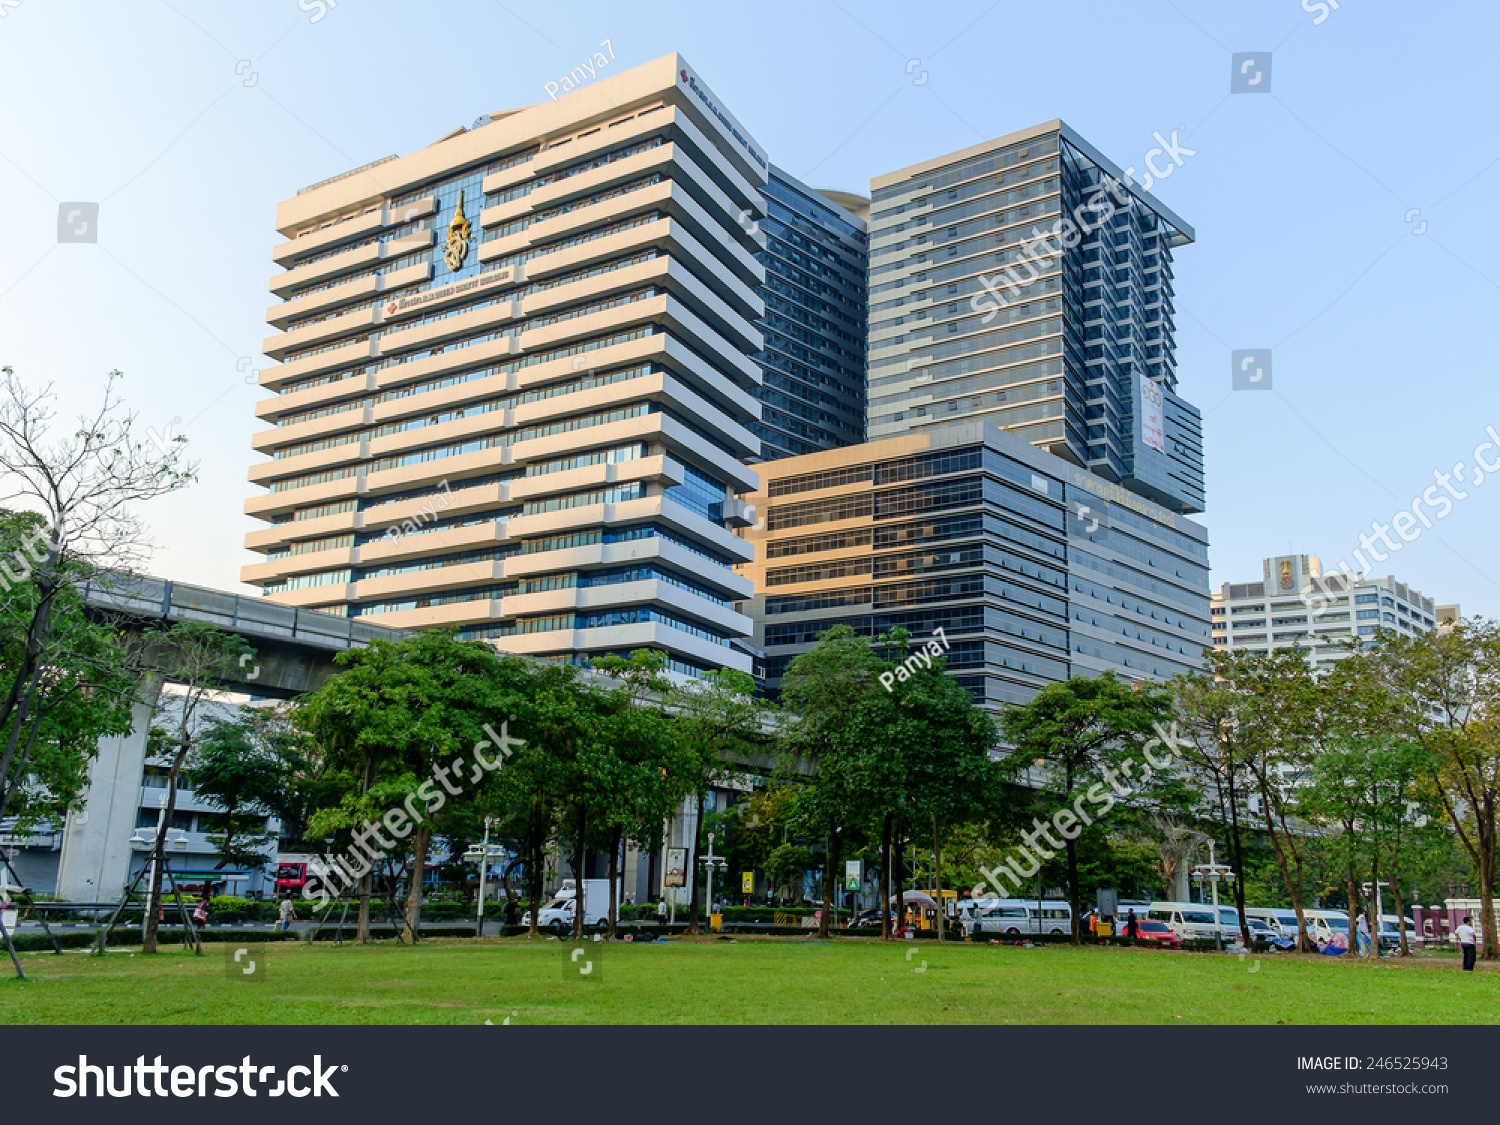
1156, 933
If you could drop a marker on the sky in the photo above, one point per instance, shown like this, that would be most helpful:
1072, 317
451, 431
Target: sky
1339, 205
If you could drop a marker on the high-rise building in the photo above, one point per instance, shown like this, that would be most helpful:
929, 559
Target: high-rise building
1033, 569
1026, 281
815, 257
518, 377
1295, 603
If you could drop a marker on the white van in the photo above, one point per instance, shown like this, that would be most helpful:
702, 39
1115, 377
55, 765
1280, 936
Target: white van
1322, 925
1016, 916
1189, 920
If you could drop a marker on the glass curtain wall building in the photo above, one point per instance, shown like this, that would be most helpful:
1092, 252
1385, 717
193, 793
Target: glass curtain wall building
1026, 282
815, 258
517, 379
977, 532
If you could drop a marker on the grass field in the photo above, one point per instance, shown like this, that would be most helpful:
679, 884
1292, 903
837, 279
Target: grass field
746, 981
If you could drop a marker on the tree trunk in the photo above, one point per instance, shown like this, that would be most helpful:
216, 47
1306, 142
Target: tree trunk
937, 877
535, 856
692, 869
898, 890
1237, 857
1351, 888
159, 852
830, 859
366, 881
578, 880
884, 879
1075, 897
420, 838
614, 869
1486, 833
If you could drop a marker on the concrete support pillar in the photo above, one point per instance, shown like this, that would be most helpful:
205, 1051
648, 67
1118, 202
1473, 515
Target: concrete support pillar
95, 862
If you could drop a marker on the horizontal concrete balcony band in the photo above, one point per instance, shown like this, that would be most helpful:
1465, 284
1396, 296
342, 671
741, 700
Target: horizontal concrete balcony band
307, 335
436, 616
625, 638
377, 218
546, 162
328, 426
310, 398
499, 315
259, 574
585, 219
596, 556
274, 378
417, 582
336, 265
459, 500
314, 495
332, 594
361, 288
661, 158
457, 359
402, 308
342, 456
653, 591
693, 448
657, 470
421, 542
430, 473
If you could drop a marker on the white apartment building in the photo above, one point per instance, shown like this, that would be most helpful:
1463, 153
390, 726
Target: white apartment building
516, 374
1295, 603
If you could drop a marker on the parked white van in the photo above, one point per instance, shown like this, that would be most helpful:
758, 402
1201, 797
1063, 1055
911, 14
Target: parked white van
1322, 925
1015, 916
1194, 919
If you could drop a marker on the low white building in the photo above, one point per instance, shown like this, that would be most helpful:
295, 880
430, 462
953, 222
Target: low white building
1294, 602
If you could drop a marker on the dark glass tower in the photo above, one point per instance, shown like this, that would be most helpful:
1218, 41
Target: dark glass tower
1066, 340
813, 395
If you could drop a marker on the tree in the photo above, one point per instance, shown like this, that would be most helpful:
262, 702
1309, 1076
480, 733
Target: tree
237, 773
839, 723
721, 721
1082, 732
407, 710
87, 692
84, 486
1451, 685
196, 658
652, 763
945, 742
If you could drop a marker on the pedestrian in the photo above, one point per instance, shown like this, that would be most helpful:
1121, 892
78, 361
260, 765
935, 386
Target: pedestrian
1132, 927
510, 913
287, 913
1362, 929
1465, 936
200, 915
661, 911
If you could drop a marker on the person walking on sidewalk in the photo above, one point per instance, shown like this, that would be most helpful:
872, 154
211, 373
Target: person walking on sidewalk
288, 914
1465, 936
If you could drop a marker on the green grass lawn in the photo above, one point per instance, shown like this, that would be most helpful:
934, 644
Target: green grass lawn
746, 981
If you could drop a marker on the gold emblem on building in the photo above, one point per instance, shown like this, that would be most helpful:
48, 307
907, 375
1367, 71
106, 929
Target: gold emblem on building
1285, 576
456, 248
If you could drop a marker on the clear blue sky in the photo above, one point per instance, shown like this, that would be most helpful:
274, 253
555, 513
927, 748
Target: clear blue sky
1300, 199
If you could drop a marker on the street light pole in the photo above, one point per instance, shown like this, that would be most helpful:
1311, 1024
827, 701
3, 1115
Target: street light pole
1214, 873
484, 863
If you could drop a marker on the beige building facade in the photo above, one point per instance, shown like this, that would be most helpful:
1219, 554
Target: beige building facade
516, 377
